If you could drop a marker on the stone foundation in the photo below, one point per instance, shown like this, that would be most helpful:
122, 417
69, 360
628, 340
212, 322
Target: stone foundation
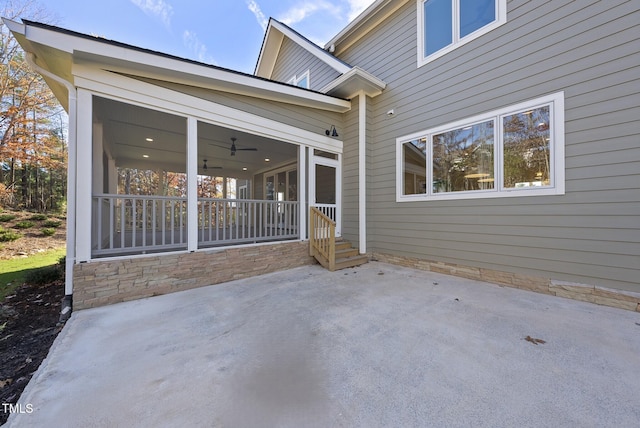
586, 293
103, 282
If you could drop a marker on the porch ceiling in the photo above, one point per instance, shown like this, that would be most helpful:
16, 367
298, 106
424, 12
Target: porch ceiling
126, 129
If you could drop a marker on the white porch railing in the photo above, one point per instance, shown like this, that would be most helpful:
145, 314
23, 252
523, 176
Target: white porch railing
127, 224
230, 221
327, 209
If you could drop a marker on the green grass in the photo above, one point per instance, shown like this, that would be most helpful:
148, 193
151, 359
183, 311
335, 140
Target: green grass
6, 217
13, 272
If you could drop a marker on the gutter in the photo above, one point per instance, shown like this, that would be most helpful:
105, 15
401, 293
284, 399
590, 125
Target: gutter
71, 186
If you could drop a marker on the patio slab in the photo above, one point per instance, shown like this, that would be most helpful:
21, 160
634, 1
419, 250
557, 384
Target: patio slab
377, 345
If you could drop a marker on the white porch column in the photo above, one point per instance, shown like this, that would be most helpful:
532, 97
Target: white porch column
192, 184
362, 172
302, 189
98, 165
113, 176
84, 152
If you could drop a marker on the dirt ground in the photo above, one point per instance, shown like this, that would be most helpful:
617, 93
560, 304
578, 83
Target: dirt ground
29, 317
33, 240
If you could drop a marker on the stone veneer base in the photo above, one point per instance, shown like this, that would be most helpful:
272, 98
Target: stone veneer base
106, 281
587, 293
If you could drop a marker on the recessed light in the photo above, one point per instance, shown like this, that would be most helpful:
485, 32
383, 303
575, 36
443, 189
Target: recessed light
145, 156
267, 160
245, 168
149, 139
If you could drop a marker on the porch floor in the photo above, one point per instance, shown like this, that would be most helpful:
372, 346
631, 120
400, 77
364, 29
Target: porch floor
377, 345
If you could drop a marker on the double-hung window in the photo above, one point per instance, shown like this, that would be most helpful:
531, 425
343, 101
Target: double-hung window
515, 151
444, 25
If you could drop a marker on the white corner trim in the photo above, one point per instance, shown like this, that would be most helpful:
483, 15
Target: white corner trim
362, 172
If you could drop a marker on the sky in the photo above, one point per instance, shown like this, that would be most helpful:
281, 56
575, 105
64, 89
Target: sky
226, 33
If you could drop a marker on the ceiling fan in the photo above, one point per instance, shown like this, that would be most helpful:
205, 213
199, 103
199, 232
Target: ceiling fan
234, 149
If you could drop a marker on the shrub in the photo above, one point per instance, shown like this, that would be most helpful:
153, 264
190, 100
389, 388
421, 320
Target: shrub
52, 223
6, 217
8, 235
24, 224
44, 275
38, 217
48, 231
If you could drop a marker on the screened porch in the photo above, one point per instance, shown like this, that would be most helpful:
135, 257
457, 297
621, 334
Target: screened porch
151, 186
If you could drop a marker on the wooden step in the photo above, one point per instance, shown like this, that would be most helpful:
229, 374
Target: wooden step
342, 244
344, 253
351, 261
346, 256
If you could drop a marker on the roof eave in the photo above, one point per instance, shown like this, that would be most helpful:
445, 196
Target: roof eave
363, 23
121, 56
274, 35
353, 82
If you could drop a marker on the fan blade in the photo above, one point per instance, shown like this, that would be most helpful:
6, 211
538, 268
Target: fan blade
252, 149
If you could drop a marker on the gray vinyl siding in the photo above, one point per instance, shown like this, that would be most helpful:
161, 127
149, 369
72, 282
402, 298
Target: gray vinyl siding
589, 50
293, 60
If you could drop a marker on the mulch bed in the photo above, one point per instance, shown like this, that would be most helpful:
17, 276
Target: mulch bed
28, 326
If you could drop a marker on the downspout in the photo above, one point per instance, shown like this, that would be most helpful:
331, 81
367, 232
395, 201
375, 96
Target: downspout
71, 186
362, 171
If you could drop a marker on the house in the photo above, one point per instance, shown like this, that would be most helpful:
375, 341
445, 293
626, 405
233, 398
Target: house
495, 140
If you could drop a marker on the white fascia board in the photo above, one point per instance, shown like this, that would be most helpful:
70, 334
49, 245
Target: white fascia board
366, 21
314, 50
352, 83
269, 52
14, 27
121, 88
232, 81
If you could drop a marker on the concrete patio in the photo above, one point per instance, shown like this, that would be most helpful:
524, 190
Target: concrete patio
374, 346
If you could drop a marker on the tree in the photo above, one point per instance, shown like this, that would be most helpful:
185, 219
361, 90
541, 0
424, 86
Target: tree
32, 143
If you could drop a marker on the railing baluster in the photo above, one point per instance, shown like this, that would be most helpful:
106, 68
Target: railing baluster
100, 209
122, 223
144, 222
133, 222
112, 220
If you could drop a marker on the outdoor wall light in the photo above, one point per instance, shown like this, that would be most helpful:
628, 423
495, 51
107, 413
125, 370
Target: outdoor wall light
332, 131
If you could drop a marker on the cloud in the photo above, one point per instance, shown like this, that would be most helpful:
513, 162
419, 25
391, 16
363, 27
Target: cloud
157, 8
356, 7
255, 9
299, 12
193, 43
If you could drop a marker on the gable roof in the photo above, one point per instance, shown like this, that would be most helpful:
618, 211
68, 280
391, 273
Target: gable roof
275, 33
57, 48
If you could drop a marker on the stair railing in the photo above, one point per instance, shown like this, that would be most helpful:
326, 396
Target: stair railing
322, 238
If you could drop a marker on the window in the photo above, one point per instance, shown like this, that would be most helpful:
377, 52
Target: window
301, 81
444, 25
515, 151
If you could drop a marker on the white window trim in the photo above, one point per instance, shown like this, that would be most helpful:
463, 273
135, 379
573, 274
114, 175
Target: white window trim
556, 103
501, 18
295, 79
